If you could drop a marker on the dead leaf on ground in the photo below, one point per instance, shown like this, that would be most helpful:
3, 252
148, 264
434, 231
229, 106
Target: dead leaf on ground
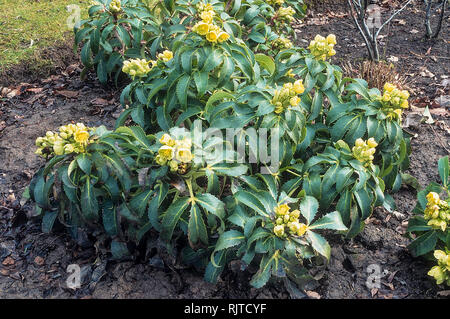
101, 102
34, 98
52, 79
8, 261
4, 272
389, 284
373, 292
400, 21
313, 294
440, 111
35, 90
67, 93
391, 276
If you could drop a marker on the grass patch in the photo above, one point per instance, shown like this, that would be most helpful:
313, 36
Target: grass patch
29, 26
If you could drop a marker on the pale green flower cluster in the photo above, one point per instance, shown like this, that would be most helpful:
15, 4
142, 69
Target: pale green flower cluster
175, 153
441, 272
364, 151
72, 138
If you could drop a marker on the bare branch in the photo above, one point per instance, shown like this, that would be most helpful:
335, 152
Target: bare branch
392, 17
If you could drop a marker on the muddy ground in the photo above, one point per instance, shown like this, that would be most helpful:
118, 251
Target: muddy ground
33, 265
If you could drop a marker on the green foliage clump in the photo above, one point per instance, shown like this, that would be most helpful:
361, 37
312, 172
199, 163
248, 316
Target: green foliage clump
431, 225
193, 95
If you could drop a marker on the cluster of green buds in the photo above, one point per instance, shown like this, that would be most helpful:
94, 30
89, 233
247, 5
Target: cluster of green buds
288, 96
206, 27
284, 15
323, 48
275, 2
166, 56
281, 44
364, 151
72, 138
441, 272
115, 6
394, 100
137, 67
437, 212
287, 222
175, 153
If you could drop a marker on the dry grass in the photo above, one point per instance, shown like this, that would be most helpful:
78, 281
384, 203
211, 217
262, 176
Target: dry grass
376, 74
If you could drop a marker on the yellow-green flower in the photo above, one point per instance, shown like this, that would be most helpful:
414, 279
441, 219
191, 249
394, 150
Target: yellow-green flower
201, 28
295, 100
323, 48
58, 147
175, 153
166, 139
173, 165
287, 96
212, 36
437, 212
184, 143
166, 56
298, 87
207, 16
393, 101
137, 67
81, 136
223, 36
287, 222
364, 151
160, 160
275, 2
331, 39
279, 230
441, 272
281, 43
285, 14
302, 229
69, 148
166, 152
184, 155
70, 139
282, 210
115, 6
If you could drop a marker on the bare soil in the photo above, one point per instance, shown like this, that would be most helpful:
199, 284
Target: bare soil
33, 264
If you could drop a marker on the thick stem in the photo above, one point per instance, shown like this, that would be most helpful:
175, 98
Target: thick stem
191, 192
427, 18
441, 18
